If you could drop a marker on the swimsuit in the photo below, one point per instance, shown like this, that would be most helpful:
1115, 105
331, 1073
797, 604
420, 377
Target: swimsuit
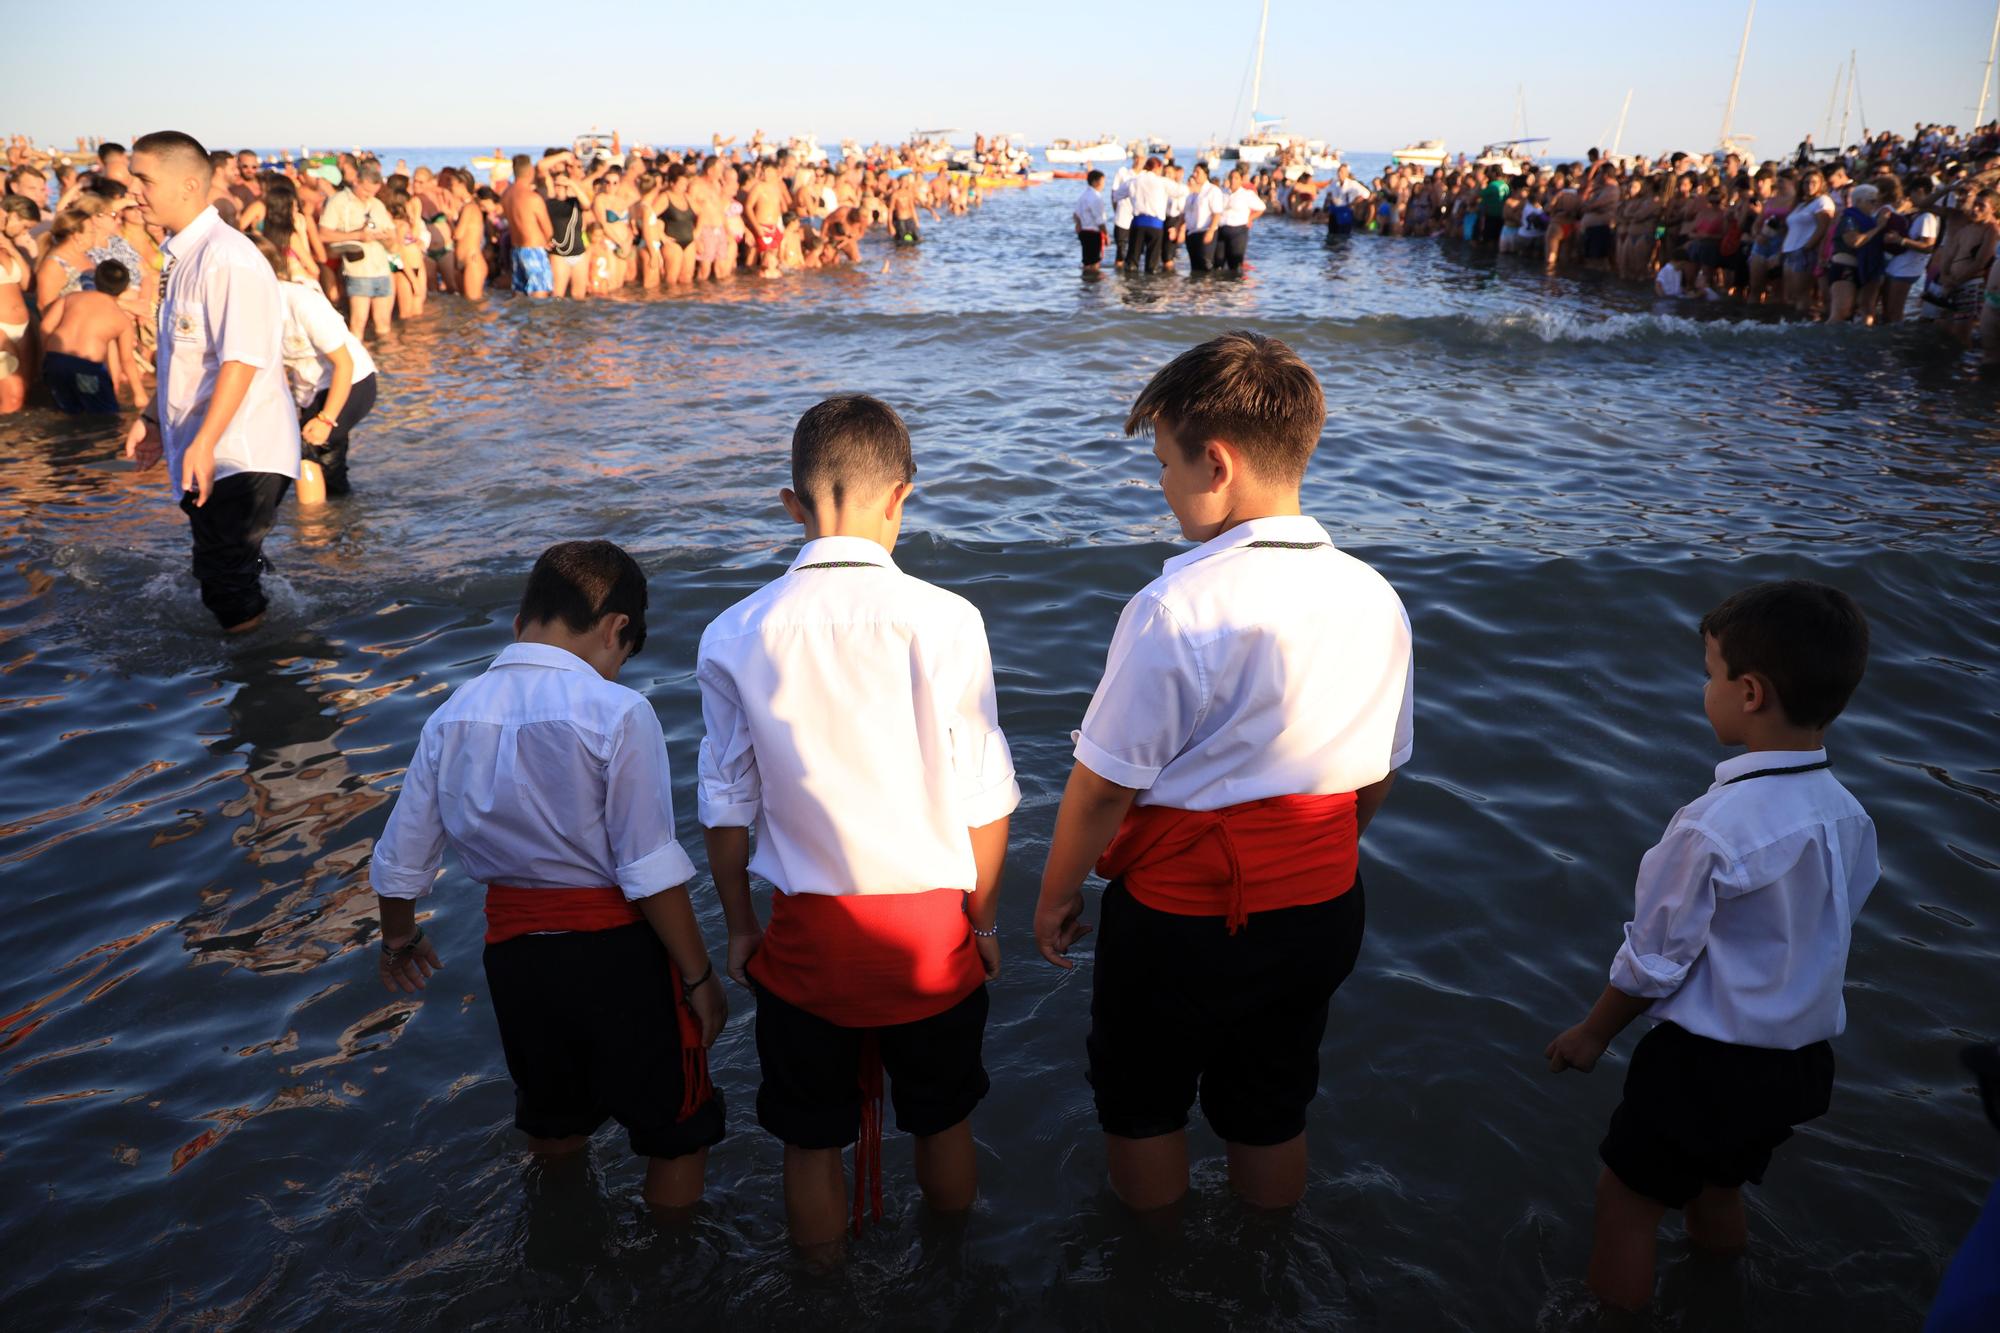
679, 224
531, 270
713, 244
78, 385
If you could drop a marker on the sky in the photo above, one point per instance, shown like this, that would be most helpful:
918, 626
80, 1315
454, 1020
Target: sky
1366, 77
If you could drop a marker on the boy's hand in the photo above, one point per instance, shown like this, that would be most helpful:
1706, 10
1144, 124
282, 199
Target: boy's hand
404, 966
742, 948
142, 443
989, 954
1058, 925
1577, 1049
711, 1009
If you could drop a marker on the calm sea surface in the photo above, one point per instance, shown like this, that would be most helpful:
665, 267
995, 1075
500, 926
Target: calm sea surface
210, 1113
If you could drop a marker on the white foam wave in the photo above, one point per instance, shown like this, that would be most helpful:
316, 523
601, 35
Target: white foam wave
1569, 326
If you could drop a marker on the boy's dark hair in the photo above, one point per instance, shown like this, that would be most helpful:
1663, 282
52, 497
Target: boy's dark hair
850, 442
1809, 640
579, 583
1245, 388
1093, 178
175, 146
112, 277
521, 164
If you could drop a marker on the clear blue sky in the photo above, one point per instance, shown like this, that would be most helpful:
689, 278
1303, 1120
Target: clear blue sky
1368, 77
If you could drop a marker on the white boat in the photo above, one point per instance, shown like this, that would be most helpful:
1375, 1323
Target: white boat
805, 148
1425, 153
1105, 149
1266, 142
1508, 155
592, 146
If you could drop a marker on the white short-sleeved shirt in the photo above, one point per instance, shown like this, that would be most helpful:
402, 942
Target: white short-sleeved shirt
1089, 211
1150, 195
1240, 206
1910, 264
220, 302
1745, 909
1347, 192
850, 717
539, 774
1800, 223
1121, 195
313, 331
1204, 207
346, 211
1265, 662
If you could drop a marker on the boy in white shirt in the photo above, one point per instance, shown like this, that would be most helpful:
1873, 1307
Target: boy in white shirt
1089, 217
1738, 942
850, 717
1255, 704
549, 781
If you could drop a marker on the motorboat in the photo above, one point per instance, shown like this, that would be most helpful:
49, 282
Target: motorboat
1103, 149
591, 147
1426, 153
1508, 155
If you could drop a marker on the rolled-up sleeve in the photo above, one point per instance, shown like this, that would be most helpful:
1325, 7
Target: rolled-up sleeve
981, 762
410, 851
1673, 908
639, 808
1148, 703
727, 790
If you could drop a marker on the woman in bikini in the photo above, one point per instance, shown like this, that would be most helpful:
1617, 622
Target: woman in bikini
651, 231
87, 223
468, 234
18, 216
408, 248
611, 212
1773, 199
1635, 216
434, 207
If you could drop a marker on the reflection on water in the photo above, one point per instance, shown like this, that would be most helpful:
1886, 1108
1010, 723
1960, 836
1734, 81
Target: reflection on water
1558, 474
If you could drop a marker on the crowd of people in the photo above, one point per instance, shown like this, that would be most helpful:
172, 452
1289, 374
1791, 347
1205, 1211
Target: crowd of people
378, 244
1848, 236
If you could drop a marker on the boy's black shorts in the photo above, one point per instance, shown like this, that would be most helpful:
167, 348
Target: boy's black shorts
1701, 1112
1181, 1007
811, 1093
589, 1024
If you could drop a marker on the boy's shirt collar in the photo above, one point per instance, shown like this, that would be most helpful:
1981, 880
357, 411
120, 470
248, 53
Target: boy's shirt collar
1276, 528
841, 550
542, 655
1758, 760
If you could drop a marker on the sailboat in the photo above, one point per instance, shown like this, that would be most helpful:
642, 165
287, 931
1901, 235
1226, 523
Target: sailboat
1265, 141
1729, 141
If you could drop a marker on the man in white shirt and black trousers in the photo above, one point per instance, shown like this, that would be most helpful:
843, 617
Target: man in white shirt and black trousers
223, 418
1089, 217
1738, 940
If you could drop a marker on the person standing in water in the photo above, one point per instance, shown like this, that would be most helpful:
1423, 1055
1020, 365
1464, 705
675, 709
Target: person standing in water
222, 419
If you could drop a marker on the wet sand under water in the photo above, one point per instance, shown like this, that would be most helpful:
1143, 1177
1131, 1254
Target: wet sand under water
210, 1113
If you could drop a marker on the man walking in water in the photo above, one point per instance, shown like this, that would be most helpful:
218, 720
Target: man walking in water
528, 226
222, 417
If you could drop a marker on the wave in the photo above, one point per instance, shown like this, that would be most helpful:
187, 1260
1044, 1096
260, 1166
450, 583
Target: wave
1571, 326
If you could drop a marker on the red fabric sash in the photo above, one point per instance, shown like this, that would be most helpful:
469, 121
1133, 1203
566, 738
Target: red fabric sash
512, 912
1283, 851
869, 961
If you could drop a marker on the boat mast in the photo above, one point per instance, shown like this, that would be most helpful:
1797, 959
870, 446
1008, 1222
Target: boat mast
1619, 137
1832, 101
1735, 82
1847, 105
1257, 79
1986, 79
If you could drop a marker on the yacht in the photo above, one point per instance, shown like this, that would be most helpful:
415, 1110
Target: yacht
1426, 153
1103, 149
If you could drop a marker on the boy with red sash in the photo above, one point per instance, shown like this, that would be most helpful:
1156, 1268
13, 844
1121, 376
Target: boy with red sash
549, 780
1254, 708
850, 717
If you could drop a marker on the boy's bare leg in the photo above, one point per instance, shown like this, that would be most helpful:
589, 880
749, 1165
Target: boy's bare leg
1716, 1222
675, 1183
1621, 1251
1271, 1177
815, 1198
948, 1168
1148, 1174
558, 1147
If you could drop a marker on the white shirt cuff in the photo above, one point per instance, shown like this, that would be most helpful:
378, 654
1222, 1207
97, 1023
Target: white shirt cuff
391, 881
667, 868
1111, 768
1648, 976
716, 811
996, 802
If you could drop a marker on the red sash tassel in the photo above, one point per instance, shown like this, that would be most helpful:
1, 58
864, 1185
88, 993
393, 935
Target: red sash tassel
512, 912
869, 961
1282, 851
